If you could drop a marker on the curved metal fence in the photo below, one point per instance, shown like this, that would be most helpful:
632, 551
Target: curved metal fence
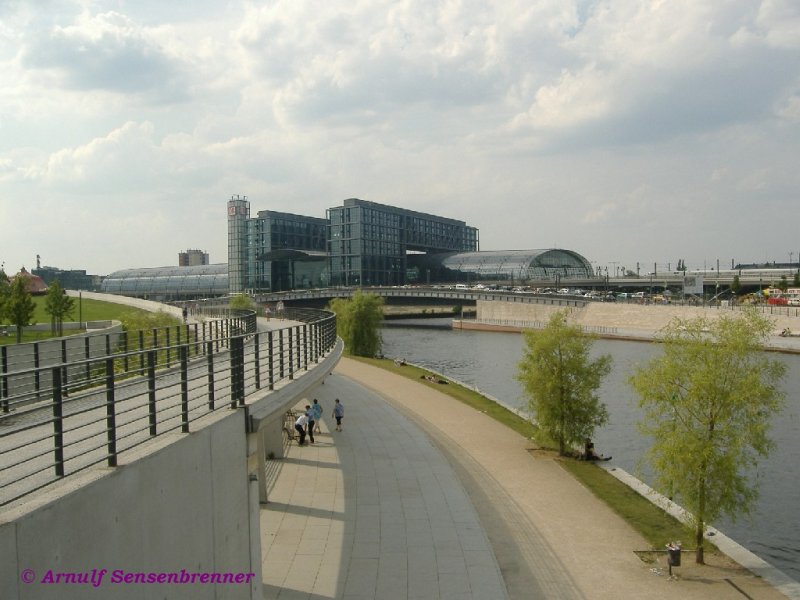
64, 418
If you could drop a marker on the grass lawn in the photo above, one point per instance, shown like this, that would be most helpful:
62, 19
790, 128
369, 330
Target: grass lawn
90, 310
656, 526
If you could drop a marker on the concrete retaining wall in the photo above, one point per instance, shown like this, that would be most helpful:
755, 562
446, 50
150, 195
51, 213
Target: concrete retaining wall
188, 505
647, 318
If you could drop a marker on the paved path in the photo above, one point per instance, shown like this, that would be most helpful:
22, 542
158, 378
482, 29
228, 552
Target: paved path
423, 497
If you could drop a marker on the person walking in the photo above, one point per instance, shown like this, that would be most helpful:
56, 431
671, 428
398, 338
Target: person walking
338, 413
300, 426
311, 421
316, 408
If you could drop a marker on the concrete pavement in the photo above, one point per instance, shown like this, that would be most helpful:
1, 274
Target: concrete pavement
423, 497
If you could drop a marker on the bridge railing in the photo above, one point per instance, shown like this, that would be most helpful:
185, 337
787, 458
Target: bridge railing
73, 423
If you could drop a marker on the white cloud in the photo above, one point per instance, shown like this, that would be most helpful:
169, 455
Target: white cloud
616, 127
110, 52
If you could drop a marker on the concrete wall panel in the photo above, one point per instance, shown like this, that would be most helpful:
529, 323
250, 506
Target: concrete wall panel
184, 506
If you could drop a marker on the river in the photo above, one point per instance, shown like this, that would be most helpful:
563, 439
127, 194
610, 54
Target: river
488, 360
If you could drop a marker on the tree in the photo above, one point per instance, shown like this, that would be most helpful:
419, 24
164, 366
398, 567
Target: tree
19, 306
708, 401
358, 323
561, 381
58, 305
5, 290
736, 285
242, 302
783, 284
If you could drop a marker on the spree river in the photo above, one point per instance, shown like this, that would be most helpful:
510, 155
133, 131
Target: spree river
488, 360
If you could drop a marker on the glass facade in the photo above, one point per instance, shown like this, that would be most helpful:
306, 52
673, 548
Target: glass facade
169, 283
287, 251
238, 225
512, 266
360, 243
368, 243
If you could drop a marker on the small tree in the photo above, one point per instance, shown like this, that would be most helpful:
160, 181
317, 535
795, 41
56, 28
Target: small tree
19, 306
58, 305
736, 285
783, 284
242, 302
358, 323
5, 290
561, 381
708, 401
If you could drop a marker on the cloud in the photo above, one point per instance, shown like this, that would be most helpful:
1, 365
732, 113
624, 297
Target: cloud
109, 52
646, 72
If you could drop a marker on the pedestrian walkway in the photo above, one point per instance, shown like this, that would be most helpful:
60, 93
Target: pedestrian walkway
423, 497
373, 511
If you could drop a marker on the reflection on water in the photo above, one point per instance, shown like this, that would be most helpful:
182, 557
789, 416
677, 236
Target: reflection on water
488, 361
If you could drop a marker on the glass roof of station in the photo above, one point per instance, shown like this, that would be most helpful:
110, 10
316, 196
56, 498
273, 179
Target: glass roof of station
201, 280
519, 264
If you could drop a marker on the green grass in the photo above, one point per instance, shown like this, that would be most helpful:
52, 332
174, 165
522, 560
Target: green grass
656, 526
90, 310
462, 394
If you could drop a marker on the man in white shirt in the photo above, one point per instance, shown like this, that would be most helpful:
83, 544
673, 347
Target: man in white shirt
300, 426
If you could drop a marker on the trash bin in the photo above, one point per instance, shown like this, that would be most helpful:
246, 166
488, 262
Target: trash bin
674, 556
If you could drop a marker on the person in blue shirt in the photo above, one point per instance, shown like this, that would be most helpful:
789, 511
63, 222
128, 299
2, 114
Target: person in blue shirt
338, 412
310, 428
316, 409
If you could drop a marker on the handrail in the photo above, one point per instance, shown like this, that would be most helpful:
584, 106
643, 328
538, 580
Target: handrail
124, 399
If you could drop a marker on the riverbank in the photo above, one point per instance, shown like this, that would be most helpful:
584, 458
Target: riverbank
537, 516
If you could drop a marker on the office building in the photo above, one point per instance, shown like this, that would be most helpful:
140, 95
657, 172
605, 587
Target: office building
368, 243
192, 258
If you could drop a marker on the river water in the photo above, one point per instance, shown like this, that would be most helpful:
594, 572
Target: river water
488, 360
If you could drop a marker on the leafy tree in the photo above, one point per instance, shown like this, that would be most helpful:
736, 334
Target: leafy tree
358, 323
561, 381
58, 305
783, 284
796, 280
5, 290
242, 302
19, 306
736, 285
708, 402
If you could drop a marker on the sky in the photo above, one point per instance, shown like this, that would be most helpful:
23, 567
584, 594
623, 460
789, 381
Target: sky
625, 130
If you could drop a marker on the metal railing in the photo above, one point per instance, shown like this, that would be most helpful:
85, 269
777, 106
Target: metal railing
121, 400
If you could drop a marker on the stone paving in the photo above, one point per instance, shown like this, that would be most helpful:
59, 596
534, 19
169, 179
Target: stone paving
373, 511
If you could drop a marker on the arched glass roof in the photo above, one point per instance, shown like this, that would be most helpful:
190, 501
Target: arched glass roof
169, 282
509, 264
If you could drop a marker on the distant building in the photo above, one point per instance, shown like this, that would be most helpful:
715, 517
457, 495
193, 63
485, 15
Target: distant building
192, 258
165, 284
274, 251
369, 243
359, 243
34, 284
70, 279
